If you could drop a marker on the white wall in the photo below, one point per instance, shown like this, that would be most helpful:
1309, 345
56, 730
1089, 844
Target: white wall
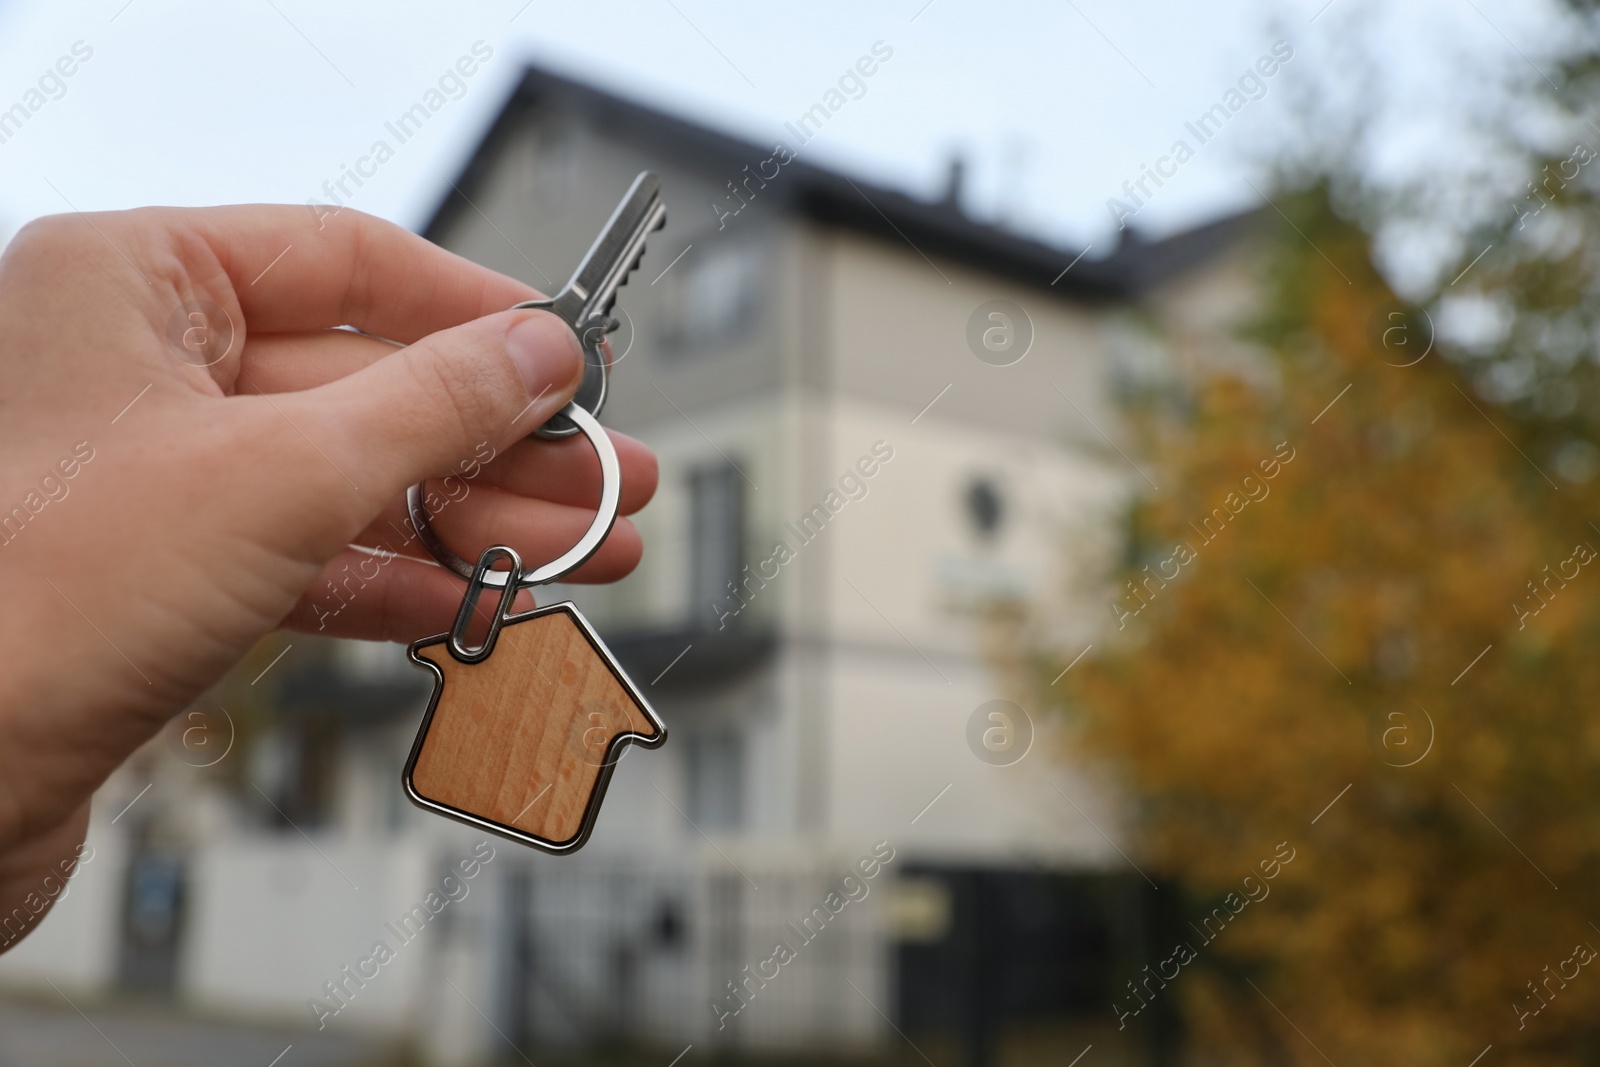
274, 918
75, 944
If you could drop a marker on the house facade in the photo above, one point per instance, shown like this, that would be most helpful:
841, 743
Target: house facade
877, 420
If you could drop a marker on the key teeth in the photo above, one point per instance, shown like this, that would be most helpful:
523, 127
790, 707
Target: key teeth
634, 265
659, 223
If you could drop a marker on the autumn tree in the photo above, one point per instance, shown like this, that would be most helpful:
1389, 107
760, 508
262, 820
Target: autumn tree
1360, 617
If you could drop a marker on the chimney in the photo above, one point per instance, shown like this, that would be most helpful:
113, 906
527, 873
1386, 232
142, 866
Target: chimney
953, 184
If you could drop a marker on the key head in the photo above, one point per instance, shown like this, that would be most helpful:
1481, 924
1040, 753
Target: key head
591, 394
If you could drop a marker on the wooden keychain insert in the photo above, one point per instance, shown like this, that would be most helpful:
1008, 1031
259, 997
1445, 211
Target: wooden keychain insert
523, 742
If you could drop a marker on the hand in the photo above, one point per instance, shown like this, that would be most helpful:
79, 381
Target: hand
159, 516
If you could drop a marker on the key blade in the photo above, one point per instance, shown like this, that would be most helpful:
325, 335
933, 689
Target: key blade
621, 242
601, 300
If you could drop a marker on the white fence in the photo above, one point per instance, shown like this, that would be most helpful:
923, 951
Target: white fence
427, 938
764, 956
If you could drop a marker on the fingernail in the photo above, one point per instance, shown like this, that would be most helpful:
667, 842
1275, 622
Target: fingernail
545, 352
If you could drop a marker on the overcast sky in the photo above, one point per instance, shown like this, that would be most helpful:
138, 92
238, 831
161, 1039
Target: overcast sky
1054, 104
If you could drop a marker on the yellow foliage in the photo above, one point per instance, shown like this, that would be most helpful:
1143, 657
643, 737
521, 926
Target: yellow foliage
1322, 639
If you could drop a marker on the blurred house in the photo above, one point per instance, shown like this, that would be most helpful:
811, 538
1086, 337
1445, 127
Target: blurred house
876, 418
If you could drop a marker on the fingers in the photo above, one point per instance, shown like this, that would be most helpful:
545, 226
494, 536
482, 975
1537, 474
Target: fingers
423, 409
538, 529
565, 471
371, 598
332, 268
291, 362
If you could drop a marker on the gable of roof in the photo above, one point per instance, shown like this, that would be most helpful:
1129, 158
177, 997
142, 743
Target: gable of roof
833, 199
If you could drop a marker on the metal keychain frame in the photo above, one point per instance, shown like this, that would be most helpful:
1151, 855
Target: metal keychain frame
613, 754
469, 603
509, 582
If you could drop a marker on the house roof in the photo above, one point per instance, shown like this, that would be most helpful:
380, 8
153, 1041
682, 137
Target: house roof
834, 199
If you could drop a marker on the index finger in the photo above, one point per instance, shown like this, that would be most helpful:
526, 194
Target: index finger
305, 268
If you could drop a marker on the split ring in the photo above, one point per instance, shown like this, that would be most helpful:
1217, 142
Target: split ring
576, 556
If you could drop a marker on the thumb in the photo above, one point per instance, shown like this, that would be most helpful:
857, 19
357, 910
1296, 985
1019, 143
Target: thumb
419, 412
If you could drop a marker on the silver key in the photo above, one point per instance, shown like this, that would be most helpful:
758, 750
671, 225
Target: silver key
585, 302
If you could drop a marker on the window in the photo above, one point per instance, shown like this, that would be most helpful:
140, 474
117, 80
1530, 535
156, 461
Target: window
985, 507
716, 546
715, 765
714, 299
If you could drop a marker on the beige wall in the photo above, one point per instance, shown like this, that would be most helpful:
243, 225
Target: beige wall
860, 718
899, 337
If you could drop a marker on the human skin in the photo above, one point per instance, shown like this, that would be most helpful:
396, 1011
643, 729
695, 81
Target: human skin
221, 501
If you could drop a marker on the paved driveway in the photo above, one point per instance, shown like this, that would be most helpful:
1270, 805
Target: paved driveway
34, 1033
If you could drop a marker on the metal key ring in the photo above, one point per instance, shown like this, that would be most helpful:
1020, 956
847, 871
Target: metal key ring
588, 544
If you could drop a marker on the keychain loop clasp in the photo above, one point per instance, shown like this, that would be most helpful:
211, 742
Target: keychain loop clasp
469, 603
604, 518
